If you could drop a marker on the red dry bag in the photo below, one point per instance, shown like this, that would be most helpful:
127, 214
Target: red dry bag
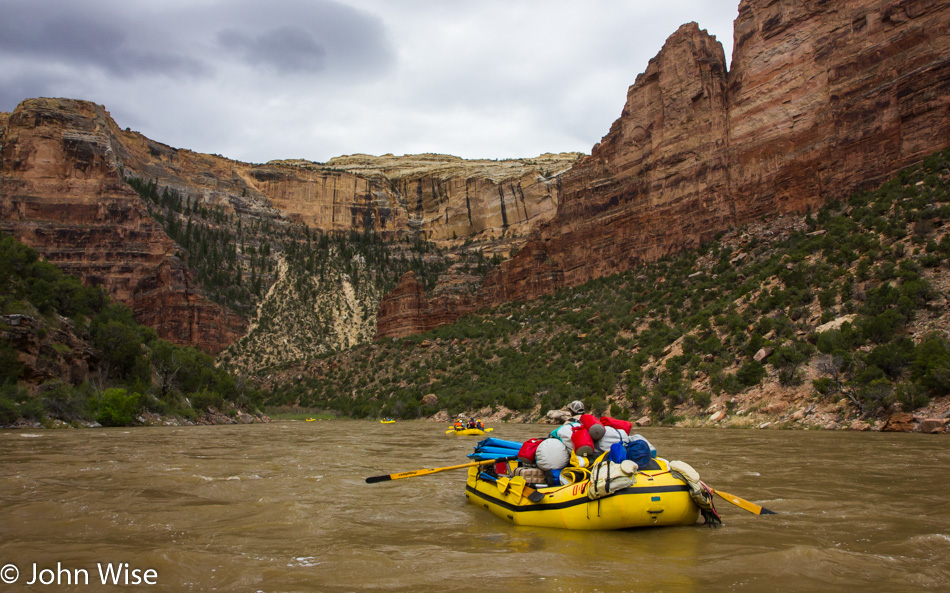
583, 444
593, 426
527, 451
618, 424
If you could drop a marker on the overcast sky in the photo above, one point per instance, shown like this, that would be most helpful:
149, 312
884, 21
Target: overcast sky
258, 80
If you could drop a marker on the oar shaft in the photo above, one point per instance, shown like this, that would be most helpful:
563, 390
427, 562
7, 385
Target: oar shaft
426, 472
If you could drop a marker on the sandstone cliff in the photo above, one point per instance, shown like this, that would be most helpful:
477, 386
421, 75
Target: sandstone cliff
63, 195
409, 310
822, 98
448, 197
445, 197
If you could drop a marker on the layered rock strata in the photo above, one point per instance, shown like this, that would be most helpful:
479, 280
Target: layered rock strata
823, 98
448, 197
61, 193
409, 310
444, 197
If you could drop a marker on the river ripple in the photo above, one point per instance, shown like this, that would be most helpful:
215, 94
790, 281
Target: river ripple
284, 507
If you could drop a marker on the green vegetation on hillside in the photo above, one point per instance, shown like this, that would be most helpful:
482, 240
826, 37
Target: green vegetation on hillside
846, 303
68, 353
305, 292
234, 258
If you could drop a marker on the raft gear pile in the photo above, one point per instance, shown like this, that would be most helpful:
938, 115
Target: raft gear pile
587, 474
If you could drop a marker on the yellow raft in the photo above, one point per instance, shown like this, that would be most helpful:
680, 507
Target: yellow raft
387, 421
468, 431
656, 499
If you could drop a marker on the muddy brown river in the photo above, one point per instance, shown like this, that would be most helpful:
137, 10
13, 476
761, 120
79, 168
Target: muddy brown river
284, 507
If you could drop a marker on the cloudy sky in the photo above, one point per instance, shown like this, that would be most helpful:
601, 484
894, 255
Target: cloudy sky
259, 80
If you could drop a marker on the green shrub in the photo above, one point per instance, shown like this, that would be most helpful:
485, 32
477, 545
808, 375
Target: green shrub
10, 365
730, 384
619, 412
910, 396
8, 410
702, 399
874, 395
834, 340
892, 358
824, 385
63, 401
204, 399
931, 364
118, 408
751, 373
790, 376
881, 328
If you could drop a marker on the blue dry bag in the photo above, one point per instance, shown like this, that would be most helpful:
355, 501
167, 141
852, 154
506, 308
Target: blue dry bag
618, 453
638, 451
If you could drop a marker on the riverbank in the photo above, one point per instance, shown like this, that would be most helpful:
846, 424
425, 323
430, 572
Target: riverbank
211, 417
778, 410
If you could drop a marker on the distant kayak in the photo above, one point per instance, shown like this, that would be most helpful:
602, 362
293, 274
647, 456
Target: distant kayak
311, 419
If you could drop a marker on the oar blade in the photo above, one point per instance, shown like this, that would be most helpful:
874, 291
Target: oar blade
401, 475
517, 485
743, 503
533, 495
503, 484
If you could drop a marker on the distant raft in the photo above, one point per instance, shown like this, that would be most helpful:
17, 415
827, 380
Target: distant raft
387, 421
468, 431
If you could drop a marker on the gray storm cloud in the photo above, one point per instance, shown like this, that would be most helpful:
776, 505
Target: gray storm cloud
287, 49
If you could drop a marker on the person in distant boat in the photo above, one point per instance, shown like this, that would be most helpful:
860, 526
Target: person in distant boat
479, 425
459, 425
471, 423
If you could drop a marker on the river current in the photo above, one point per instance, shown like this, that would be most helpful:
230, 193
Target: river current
284, 507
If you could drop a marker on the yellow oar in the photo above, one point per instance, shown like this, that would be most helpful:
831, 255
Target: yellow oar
426, 472
741, 502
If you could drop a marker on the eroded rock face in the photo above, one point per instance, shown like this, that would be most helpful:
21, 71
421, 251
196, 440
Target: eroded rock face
657, 182
408, 310
826, 97
61, 193
445, 197
823, 98
449, 197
